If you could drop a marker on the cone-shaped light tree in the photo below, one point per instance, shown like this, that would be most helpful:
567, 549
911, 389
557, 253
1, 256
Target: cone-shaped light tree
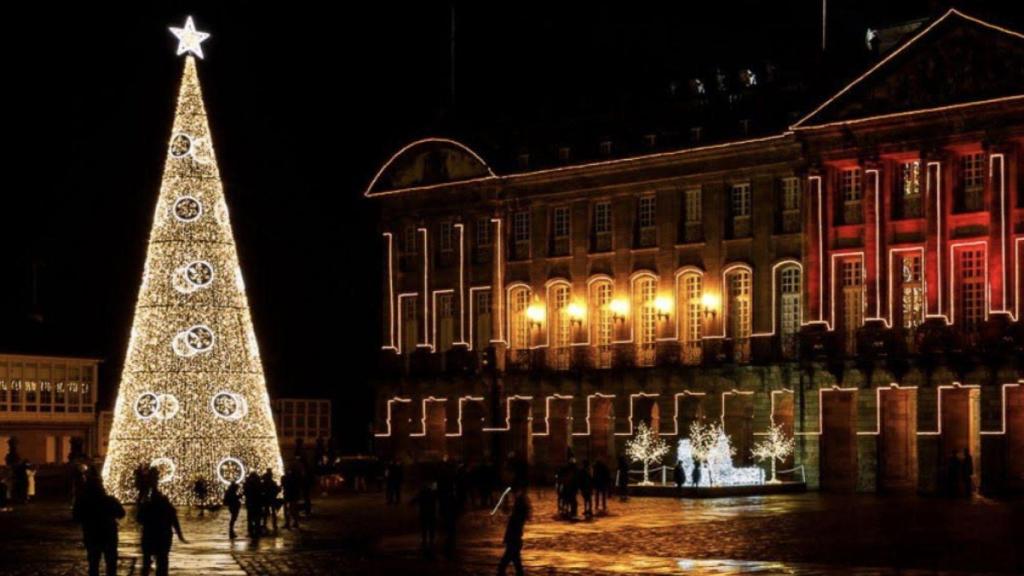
193, 400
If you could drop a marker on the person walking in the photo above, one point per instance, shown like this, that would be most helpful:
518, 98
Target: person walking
426, 501
602, 485
586, 483
253, 503
679, 476
622, 478
233, 500
98, 513
292, 491
270, 501
200, 490
967, 472
159, 521
514, 533
30, 481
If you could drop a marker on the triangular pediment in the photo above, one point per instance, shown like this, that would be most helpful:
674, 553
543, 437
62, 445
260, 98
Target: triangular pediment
956, 60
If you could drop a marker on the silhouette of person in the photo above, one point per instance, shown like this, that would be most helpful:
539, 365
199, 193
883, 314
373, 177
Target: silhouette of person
967, 471
270, 500
514, 533
233, 500
159, 521
98, 513
602, 485
953, 474
679, 476
426, 501
695, 475
586, 484
623, 478
253, 490
292, 492
200, 490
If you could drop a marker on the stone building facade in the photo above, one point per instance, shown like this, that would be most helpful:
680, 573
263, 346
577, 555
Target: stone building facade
856, 278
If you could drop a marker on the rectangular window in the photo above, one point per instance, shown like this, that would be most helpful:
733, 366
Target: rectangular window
521, 226
850, 185
482, 311
446, 237
560, 222
483, 232
852, 281
740, 200
911, 297
602, 218
971, 299
972, 179
910, 178
693, 206
646, 212
409, 241
790, 194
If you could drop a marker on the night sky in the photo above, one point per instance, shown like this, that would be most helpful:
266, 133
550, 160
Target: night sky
305, 103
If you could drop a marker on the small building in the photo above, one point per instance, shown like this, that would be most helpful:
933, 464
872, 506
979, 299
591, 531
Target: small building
48, 403
307, 419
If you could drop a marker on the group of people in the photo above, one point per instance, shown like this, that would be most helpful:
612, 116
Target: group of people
593, 483
959, 474
99, 512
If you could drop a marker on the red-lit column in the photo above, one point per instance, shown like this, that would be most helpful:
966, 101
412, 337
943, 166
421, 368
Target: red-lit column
935, 211
814, 247
997, 196
872, 238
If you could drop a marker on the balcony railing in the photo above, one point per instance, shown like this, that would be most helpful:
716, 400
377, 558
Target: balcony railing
691, 353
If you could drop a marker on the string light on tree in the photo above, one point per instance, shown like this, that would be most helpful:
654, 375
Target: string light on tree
193, 400
646, 447
775, 446
709, 448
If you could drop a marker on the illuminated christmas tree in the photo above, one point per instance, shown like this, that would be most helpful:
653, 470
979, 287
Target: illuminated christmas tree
776, 446
646, 447
193, 400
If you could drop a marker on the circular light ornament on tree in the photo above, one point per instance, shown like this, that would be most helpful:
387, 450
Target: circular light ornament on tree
193, 276
196, 340
187, 209
229, 405
181, 145
147, 405
230, 470
167, 406
165, 468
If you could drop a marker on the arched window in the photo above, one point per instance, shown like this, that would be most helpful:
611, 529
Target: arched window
790, 290
690, 289
645, 318
518, 323
559, 325
738, 310
602, 323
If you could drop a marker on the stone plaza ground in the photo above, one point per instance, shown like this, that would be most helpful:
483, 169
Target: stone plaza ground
797, 534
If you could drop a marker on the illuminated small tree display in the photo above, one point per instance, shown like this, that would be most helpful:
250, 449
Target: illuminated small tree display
709, 449
776, 446
193, 401
646, 447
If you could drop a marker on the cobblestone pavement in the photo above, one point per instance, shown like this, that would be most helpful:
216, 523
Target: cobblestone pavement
805, 534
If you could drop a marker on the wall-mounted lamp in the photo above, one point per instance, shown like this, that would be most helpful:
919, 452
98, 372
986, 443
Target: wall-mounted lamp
663, 305
619, 309
536, 314
577, 312
711, 303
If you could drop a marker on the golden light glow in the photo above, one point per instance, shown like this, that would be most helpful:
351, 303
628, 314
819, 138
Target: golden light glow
576, 310
192, 399
711, 301
535, 313
663, 304
619, 307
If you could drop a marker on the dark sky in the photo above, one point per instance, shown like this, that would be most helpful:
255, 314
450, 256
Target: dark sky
306, 100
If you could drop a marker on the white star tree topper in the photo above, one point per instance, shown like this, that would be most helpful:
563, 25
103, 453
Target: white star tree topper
189, 39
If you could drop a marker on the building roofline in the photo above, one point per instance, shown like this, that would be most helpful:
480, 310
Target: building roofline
572, 167
95, 359
799, 124
430, 140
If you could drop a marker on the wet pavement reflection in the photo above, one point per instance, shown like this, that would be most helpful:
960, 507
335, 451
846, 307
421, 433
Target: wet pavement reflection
803, 534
